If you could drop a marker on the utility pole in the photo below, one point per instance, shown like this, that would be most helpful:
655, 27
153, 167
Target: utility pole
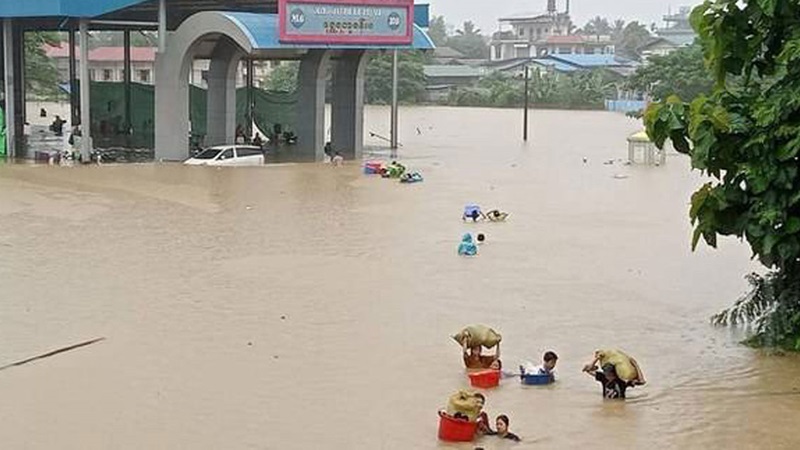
393, 140
527, 103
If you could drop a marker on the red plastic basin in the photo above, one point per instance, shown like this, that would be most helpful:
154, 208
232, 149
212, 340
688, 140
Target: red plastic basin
455, 430
485, 379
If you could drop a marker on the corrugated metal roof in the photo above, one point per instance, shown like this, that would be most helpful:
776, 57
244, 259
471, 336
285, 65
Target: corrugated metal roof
554, 64
447, 71
263, 32
63, 8
587, 61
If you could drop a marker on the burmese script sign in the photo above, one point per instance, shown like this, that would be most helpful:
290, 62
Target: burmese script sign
346, 21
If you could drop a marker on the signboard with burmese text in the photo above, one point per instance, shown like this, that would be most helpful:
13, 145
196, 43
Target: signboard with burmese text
346, 21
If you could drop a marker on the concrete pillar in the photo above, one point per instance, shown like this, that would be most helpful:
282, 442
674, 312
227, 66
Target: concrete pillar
311, 105
172, 106
347, 115
222, 72
9, 83
74, 108
86, 122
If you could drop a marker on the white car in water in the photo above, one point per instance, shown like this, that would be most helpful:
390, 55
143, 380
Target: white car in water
228, 155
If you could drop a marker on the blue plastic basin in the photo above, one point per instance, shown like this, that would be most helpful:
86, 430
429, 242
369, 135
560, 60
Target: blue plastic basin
536, 379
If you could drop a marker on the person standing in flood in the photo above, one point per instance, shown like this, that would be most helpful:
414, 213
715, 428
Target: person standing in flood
613, 386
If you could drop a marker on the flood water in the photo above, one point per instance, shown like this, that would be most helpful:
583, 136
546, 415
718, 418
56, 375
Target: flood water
302, 307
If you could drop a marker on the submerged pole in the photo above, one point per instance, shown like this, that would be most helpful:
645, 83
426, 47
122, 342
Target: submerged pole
126, 73
527, 103
393, 136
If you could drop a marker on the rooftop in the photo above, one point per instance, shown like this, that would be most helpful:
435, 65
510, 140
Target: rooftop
590, 61
448, 71
447, 52
577, 39
539, 16
138, 54
554, 64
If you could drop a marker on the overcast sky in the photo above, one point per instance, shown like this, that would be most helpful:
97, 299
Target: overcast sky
486, 12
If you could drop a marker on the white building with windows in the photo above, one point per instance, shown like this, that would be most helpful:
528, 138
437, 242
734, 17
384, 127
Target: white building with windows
107, 64
522, 36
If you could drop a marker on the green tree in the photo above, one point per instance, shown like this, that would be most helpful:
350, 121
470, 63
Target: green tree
745, 135
469, 41
41, 74
682, 73
438, 31
283, 78
410, 80
583, 89
598, 26
617, 30
632, 37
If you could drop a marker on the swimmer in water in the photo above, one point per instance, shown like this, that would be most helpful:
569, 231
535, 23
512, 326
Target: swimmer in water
496, 215
502, 429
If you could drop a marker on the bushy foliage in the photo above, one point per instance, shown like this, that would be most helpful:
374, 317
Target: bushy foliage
41, 74
585, 90
682, 73
745, 135
283, 78
410, 80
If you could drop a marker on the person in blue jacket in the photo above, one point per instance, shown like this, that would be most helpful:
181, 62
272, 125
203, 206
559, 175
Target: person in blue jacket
467, 247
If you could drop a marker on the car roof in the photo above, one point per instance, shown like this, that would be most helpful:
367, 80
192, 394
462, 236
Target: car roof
227, 147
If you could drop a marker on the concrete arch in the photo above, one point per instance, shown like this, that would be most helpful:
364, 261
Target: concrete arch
228, 43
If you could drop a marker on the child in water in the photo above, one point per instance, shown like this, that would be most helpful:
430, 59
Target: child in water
549, 361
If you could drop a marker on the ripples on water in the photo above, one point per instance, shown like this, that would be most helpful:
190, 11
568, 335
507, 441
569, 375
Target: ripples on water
298, 307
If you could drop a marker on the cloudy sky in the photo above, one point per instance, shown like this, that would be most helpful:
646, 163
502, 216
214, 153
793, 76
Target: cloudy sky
486, 12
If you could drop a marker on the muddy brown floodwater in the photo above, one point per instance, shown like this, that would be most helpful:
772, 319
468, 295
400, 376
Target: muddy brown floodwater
302, 307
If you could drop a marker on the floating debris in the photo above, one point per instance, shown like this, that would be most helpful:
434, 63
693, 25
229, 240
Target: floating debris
53, 353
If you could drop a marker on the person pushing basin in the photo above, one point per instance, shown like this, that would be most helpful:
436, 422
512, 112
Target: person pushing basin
467, 247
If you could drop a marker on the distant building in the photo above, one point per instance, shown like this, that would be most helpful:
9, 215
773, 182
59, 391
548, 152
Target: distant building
107, 64
441, 79
526, 34
576, 44
548, 33
677, 33
447, 55
678, 29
